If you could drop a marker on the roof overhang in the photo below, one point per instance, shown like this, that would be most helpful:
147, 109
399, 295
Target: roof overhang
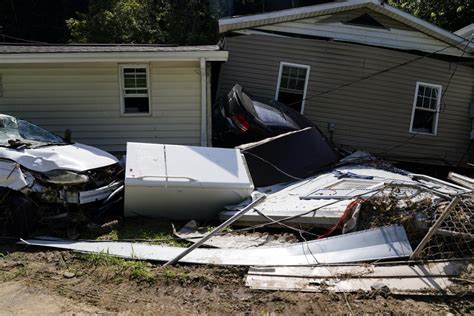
251, 21
466, 32
125, 57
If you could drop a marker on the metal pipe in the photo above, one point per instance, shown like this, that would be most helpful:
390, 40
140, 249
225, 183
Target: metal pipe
217, 230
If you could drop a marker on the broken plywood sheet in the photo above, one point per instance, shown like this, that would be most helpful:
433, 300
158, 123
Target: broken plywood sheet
286, 201
398, 279
376, 244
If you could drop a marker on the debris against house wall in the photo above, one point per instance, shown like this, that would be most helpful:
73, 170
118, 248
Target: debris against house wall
323, 200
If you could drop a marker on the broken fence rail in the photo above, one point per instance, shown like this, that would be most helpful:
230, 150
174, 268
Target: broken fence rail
451, 234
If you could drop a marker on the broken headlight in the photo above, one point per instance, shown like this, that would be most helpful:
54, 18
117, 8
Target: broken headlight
64, 177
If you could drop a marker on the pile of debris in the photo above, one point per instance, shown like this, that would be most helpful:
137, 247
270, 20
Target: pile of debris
360, 223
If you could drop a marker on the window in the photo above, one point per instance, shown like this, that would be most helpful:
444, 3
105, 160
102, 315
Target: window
292, 85
135, 89
424, 118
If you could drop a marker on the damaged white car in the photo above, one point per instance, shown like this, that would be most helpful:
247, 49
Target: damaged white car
43, 175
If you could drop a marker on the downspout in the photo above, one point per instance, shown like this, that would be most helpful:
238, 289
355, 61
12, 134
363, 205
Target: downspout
203, 102
209, 105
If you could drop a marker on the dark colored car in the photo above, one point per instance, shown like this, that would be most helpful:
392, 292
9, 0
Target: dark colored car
238, 118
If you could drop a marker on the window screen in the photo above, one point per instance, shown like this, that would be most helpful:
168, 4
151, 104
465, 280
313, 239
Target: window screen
292, 85
135, 89
426, 108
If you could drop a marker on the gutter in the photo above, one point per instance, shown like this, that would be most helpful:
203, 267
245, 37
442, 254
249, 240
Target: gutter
125, 57
203, 102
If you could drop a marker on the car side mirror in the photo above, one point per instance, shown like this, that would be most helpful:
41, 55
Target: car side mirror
68, 135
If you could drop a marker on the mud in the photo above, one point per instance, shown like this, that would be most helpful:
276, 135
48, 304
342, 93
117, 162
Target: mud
61, 282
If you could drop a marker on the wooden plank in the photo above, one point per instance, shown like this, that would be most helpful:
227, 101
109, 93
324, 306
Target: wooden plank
421, 285
430, 278
442, 269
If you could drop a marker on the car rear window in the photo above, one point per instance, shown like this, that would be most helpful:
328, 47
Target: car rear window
271, 116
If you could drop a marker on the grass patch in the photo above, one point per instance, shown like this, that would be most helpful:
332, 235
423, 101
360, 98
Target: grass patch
18, 272
157, 232
136, 269
183, 277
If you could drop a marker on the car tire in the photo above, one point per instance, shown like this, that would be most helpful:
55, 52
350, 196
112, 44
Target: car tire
23, 219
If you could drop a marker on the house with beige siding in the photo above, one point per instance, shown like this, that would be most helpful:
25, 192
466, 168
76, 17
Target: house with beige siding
370, 76
108, 95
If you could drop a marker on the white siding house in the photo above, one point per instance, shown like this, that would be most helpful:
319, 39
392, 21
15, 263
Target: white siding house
110, 94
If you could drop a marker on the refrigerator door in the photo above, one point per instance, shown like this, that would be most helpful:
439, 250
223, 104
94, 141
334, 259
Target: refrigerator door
183, 182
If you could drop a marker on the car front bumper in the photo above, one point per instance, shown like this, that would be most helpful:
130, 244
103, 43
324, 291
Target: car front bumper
91, 196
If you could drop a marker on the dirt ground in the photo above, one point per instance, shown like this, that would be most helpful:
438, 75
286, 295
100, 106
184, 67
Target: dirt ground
35, 281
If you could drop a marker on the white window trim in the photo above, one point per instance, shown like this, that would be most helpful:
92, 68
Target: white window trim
307, 67
438, 103
122, 88
321, 193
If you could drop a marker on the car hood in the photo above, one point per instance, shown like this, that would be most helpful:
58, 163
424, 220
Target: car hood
74, 157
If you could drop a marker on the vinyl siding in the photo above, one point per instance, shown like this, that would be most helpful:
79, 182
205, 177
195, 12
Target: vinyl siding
372, 114
86, 99
395, 35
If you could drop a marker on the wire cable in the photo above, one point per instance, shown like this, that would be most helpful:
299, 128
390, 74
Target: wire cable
22, 39
272, 165
382, 71
439, 110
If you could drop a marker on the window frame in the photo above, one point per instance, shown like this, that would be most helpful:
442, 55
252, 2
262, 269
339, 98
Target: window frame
436, 111
280, 72
122, 88
322, 193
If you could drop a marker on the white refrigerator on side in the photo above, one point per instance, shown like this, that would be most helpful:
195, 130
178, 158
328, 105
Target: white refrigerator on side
183, 182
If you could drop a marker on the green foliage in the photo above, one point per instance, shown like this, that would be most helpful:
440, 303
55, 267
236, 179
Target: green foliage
136, 269
448, 14
157, 232
123, 21
145, 22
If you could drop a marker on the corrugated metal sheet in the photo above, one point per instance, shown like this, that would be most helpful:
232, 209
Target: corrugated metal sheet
373, 114
86, 99
389, 242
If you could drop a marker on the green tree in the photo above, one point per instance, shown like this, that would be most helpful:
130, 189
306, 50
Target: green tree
184, 22
448, 14
122, 21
